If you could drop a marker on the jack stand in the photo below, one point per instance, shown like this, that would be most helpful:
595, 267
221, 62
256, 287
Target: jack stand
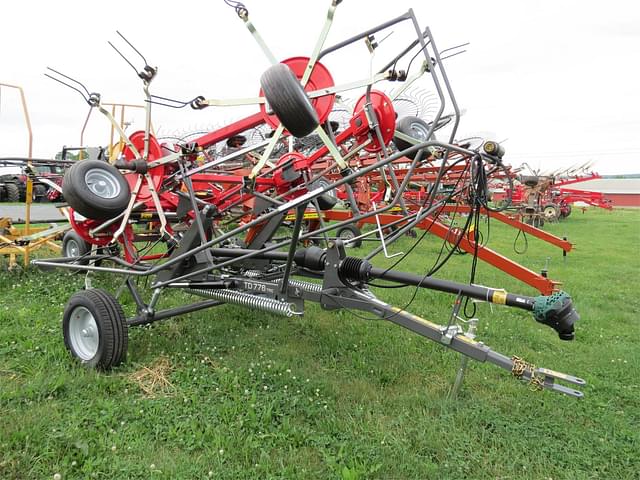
457, 384
545, 271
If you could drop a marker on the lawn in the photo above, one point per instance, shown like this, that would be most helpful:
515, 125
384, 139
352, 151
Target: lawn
233, 393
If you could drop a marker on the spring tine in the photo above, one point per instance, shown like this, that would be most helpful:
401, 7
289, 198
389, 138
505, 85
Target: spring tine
453, 55
164, 104
125, 58
134, 48
454, 47
69, 78
168, 102
86, 99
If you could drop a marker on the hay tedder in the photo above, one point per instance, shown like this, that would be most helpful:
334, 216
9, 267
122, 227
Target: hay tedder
536, 198
264, 225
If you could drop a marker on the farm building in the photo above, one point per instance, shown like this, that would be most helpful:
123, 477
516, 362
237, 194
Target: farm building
623, 192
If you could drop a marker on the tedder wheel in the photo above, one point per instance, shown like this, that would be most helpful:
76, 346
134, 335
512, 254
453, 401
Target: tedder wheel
347, 233
95, 330
386, 231
551, 212
415, 128
288, 100
96, 189
567, 211
13, 192
327, 200
73, 245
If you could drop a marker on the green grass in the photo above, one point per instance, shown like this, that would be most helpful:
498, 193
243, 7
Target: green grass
330, 395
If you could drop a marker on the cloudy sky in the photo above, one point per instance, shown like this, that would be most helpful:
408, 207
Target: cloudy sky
558, 81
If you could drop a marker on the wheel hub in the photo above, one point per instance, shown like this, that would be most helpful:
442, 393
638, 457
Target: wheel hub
418, 132
102, 183
73, 250
87, 332
83, 333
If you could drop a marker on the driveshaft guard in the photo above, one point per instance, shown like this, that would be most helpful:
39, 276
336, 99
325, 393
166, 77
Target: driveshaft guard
557, 311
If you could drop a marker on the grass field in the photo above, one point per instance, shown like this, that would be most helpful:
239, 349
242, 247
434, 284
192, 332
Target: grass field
233, 393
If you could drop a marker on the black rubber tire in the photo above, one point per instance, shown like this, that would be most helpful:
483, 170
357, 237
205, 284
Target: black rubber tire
568, 210
111, 324
386, 231
327, 200
529, 180
85, 201
551, 212
288, 100
350, 231
73, 242
39, 193
13, 192
416, 128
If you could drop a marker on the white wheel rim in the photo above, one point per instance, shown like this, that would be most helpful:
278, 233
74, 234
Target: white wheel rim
102, 183
72, 249
83, 333
347, 234
418, 132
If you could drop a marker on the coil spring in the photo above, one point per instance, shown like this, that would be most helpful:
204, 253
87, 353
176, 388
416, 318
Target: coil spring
253, 273
306, 286
246, 300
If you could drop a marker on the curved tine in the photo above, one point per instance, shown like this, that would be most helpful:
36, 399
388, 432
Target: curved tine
410, 101
68, 78
453, 55
86, 99
407, 49
179, 103
421, 50
134, 48
125, 58
163, 104
454, 47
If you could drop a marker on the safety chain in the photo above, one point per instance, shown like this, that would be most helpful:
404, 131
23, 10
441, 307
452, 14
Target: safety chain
520, 366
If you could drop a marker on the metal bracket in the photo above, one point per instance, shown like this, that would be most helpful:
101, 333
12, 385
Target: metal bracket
448, 333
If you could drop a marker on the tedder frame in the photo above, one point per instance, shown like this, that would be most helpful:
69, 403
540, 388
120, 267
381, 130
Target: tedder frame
219, 228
